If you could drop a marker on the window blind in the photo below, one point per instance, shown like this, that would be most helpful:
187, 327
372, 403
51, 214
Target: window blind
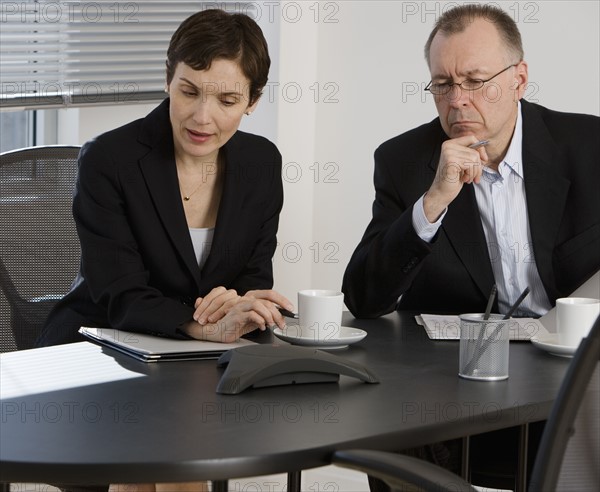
76, 53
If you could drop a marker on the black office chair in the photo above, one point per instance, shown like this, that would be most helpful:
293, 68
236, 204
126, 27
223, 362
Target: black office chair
39, 248
400, 471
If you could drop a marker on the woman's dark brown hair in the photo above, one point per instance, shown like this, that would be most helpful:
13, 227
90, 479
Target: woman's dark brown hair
215, 34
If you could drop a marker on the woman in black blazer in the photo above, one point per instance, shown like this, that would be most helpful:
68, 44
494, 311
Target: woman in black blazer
177, 213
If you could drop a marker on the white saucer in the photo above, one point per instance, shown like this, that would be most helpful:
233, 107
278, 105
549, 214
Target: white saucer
293, 335
550, 344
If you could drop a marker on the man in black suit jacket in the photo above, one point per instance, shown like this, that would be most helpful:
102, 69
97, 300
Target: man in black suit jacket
478, 80
450, 220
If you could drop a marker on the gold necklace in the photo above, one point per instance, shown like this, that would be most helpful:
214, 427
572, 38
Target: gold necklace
186, 198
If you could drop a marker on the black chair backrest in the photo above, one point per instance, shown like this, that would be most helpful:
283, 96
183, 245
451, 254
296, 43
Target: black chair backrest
560, 426
39, 248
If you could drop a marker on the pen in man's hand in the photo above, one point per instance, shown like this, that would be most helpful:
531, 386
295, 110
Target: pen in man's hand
287, 314
481, 143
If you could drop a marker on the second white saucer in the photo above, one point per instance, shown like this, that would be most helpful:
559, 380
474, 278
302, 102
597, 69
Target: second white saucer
550, 344
293, 334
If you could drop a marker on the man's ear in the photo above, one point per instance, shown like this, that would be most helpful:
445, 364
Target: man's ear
521, 79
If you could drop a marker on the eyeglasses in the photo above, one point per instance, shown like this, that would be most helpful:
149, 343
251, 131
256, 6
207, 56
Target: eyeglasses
467, 84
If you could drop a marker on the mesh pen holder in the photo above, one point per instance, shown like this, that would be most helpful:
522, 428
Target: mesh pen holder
483, 347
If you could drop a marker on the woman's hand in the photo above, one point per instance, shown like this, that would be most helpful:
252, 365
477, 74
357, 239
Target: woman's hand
256, 309
272, 299
214, 305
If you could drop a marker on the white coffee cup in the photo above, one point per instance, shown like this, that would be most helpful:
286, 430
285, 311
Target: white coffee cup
320, 313
575, 317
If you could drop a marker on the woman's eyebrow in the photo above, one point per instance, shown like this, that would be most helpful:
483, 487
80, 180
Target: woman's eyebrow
188, 82
212, 84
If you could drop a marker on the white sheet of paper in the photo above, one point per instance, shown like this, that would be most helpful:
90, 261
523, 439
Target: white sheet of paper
447, 327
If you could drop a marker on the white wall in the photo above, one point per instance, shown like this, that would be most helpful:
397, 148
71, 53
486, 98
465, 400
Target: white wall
350, 76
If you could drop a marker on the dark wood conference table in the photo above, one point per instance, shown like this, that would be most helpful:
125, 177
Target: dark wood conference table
88, 414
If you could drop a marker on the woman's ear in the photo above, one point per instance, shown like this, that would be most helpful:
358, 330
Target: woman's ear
252, 107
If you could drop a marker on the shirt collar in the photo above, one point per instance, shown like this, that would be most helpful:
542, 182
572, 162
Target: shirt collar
513, 161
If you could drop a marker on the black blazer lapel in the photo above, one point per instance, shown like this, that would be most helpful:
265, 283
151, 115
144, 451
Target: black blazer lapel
546, 192
224, 245
464, 231
160, 173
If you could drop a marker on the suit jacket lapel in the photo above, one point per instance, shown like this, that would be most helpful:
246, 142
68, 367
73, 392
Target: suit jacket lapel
546, 191
160, 172
463, 228
230, 209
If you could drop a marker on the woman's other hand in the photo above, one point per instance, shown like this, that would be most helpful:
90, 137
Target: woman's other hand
214, 305
256, 309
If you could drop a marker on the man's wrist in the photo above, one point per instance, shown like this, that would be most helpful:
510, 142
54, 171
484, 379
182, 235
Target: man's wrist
425, 229
433, 207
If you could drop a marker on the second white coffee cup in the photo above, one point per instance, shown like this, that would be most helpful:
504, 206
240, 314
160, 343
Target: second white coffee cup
320, 313
574, 318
